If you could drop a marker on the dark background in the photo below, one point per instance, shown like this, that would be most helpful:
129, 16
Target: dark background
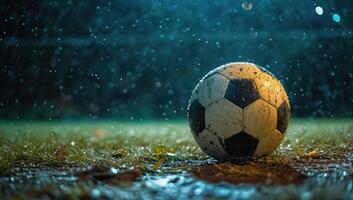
141, 59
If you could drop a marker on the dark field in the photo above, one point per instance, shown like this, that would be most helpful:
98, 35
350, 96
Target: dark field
155, 160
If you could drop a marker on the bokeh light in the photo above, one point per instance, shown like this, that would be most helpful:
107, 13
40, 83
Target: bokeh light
319, 10
336, 18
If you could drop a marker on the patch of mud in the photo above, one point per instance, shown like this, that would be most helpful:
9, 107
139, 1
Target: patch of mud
249, 173
108, 175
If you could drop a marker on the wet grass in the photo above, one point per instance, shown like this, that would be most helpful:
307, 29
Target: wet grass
103, 143
128, 159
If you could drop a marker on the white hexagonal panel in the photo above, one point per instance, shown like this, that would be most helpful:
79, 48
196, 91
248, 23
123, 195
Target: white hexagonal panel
270, 89
268, 144
260, 118
211, 89
211, 145
224, 118
240, 70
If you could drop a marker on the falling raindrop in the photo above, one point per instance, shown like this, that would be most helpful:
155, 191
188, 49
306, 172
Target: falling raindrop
336, 18
246, 5
319, 10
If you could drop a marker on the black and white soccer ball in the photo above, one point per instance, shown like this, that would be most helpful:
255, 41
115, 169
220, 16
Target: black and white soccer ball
237, 111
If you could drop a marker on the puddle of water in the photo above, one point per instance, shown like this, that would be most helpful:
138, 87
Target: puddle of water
195, 179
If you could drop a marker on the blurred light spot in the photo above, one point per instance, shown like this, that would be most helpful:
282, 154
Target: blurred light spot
98, 134
95, 193
246, 5
336, 17
113, 170
306, 195
198, 191
162, 182
319, 10
158, 84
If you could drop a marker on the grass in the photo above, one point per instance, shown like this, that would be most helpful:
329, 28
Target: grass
102, 143
87, 151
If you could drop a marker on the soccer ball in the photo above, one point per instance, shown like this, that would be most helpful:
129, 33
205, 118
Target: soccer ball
237, 111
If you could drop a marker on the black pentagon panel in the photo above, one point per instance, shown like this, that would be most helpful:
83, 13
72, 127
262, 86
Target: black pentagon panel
196, 115
283, 115
241, 92
241, 145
